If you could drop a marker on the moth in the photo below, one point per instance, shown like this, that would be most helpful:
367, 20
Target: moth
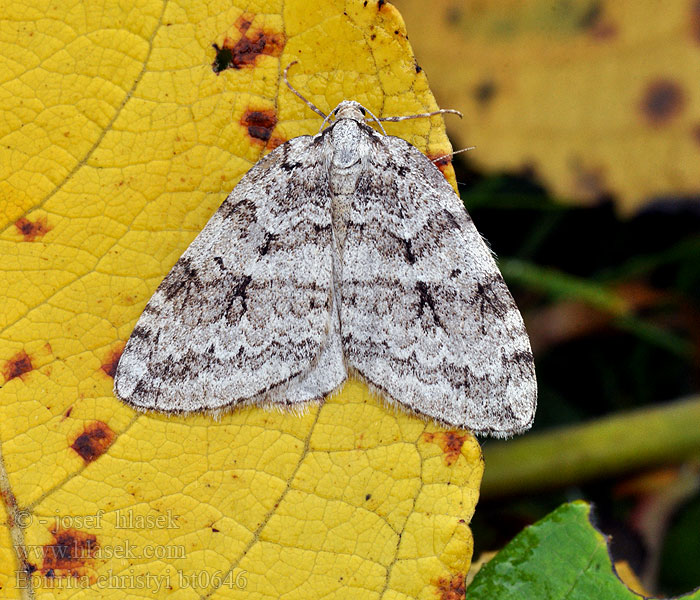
343, 253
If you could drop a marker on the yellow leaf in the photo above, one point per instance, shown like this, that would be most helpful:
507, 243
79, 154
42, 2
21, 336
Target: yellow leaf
629, 578
124, 127
593, 97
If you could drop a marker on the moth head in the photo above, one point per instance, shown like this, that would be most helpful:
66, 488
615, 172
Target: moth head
349, 109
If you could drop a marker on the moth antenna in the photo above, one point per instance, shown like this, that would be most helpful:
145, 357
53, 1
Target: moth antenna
439, 158
325, 120
375, 119
442, 111
312, 106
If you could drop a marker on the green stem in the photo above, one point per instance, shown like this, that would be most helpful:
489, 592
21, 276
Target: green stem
563, 286
602, 448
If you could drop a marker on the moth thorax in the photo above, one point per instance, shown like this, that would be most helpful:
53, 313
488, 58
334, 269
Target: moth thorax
348, 161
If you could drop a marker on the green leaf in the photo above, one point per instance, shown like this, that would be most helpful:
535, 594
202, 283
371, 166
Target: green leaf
561, 556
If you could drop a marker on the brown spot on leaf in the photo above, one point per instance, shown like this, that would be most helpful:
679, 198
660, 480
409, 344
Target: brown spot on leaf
454, 15
67, 413
26, 569
604, 31
110, 365
450, 443
695, 21
662, 100
452, 588
93, 441
380, 4
597, 23
590, 16
243, 53
484, 92
244, 22
32, 229
441, 161
10, 502
71, 553
696, 134
17, 366
259, 123
276, 141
